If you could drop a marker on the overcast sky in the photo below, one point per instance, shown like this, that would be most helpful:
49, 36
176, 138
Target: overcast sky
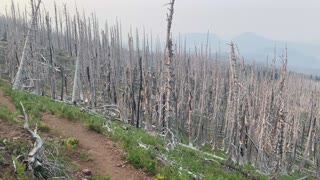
293, 20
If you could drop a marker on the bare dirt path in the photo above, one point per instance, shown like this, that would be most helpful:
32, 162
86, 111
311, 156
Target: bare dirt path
105, 158
5, 101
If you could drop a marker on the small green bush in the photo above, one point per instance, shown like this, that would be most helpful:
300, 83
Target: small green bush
95, 125
71, 143
43, 128
141, 158
16, 147
20, 169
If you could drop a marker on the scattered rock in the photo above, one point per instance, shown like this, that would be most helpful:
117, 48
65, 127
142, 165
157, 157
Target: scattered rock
15, 138
86, 178
122, 164
87, 172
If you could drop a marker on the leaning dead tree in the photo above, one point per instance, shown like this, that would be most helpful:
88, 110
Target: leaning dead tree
21, 74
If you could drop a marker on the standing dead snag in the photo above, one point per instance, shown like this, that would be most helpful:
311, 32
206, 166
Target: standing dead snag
140, 89
132, 78
76, 81
169, 71
233, 111
190, 118
51, 72
280, 121
34, 160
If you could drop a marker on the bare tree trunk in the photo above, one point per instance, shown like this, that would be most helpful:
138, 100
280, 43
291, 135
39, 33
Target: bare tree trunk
76, 81
140, 91
190, 119
51, 72
169, 70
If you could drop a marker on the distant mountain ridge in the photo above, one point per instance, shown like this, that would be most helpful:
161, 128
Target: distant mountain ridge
302, 56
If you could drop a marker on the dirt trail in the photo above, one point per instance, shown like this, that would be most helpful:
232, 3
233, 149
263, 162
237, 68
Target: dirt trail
8, 130
5, 101
11, 131
105, 158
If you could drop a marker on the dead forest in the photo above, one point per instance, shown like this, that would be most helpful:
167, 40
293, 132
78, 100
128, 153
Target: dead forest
262, 115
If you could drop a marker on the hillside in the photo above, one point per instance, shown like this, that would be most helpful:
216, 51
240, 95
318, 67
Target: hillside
97, 148
175, 112
100, 149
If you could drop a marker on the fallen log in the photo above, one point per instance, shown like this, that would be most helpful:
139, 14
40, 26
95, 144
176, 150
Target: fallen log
208, 154
34, 159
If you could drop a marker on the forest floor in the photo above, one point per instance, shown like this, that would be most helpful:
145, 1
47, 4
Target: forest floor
95, 152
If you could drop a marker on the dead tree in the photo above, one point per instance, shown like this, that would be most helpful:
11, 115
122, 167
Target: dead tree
51, 61
169, 69
190, 119
234, 91
76, 81
281, 120
18, 82
34, 159
140, 91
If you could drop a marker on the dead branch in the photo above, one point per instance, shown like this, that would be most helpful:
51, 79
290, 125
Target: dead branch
208, 154
34, 160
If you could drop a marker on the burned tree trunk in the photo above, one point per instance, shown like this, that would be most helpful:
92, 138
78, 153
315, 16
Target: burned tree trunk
51, 62
169, 69
140, 91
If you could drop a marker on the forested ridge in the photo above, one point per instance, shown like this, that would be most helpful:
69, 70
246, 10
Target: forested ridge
259, 115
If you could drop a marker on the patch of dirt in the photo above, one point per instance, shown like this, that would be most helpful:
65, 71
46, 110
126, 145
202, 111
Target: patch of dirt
104, 158
9, 132
5, 101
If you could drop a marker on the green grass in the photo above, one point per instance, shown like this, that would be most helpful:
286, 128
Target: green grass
35, 105
95, 124
7, 115
295, 176
43, 128
20, 169
11, 149
100, 178
71, 143
84, 156
17, 147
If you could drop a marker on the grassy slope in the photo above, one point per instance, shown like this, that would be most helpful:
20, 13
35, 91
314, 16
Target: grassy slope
190, 160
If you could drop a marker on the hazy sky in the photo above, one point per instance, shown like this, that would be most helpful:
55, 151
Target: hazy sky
293, 20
